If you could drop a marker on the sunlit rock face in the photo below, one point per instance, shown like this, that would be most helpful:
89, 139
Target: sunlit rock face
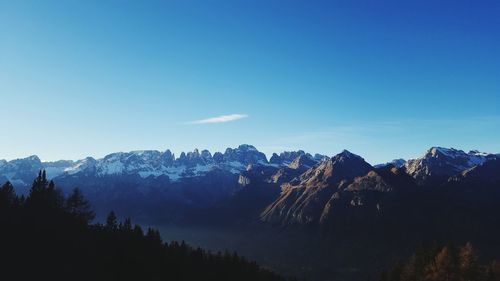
438, 164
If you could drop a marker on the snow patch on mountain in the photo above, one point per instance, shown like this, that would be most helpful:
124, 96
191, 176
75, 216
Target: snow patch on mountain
153, 163
145, 163
440, 163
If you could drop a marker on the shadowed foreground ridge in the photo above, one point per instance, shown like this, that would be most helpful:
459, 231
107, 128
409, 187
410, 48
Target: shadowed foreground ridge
48, 236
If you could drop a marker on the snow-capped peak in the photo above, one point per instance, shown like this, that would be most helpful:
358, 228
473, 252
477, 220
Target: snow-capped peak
146, 163
440, 162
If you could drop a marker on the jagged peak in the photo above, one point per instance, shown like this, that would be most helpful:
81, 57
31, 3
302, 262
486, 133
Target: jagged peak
287, 157
346, 154
218, 156
304, 160
437, 151
247, 147
206, 154
439, 163
320, 157
168, 154
33, 158
141, 152
398, 163
89, 159
275, 158
193, 154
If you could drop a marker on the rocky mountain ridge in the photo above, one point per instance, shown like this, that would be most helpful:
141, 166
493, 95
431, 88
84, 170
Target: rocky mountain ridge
145, 163
437, 164
346, 181
292, 187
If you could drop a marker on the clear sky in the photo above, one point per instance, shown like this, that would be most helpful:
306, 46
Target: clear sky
384, 79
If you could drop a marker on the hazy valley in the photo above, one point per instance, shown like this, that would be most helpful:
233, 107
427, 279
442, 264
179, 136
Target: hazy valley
319, 217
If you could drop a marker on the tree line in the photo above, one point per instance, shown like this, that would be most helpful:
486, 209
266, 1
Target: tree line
48, 236
446, 263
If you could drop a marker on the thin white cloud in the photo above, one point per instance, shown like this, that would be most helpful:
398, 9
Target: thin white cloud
220, 119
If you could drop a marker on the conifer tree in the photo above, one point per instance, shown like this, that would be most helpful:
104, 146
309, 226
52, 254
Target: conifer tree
54, 196
138, 231
154, 236
127, 225
39, 184
79, 207
111, 221
7, 195
44, 194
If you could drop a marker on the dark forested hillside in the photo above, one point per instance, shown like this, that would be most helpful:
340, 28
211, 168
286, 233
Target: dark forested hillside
48, 237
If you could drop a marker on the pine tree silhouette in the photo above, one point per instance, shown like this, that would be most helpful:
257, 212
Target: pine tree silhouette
111, 221
79, 207
7, 195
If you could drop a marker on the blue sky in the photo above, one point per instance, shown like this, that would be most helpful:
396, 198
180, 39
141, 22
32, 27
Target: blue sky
384, 79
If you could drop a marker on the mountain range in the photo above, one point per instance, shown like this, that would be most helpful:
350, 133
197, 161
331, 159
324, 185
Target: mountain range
145, 163
294, 187
327, 215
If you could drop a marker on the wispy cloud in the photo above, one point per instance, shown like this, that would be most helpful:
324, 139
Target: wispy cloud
220, 119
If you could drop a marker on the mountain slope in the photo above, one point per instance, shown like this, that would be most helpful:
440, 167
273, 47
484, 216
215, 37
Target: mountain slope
303, 202
438, 164
487, 174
